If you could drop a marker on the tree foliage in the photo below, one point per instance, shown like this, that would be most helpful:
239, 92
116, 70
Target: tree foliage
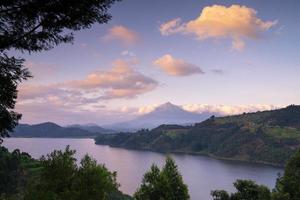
15, 169
62, 179
12, 72
36, 25
288, 186
165, 184
246, 190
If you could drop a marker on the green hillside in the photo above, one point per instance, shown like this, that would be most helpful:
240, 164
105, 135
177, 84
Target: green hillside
265, 137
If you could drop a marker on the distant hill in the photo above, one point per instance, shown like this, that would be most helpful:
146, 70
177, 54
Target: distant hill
50, 129
167, 113
264, 137
92, 128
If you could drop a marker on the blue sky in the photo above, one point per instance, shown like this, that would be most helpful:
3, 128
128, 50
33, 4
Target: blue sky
263, 70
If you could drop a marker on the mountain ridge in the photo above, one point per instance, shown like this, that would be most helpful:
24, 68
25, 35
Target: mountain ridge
264, 137
50, 129
166, 113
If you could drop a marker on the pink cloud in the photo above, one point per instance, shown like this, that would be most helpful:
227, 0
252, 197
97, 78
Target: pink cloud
235, 22
121, 81
123, 35
176, 67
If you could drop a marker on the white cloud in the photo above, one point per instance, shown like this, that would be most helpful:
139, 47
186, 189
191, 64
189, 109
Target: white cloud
146, 109
235, 22
62, 112
176, 67
227, 109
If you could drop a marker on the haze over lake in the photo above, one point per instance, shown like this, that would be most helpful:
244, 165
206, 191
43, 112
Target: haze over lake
202, 174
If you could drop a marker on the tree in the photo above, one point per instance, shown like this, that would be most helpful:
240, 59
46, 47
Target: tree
32, 26
94, 181
246, 190
15, 168
165, 184
220, 195
12, 72
62, 179
288, 186
56, 178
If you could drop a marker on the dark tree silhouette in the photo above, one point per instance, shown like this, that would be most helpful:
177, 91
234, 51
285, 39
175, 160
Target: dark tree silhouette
164, 184
37, 25
11, 73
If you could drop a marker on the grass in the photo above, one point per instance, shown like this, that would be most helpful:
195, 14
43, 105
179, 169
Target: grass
283, 132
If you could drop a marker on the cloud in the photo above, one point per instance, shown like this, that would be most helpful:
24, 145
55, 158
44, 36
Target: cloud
235, 22
63, 112
171, 27
176, 67
227, 109
121, 81
128, 53
146, 109
39, 112
122, 34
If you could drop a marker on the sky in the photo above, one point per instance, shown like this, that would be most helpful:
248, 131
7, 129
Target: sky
224, 56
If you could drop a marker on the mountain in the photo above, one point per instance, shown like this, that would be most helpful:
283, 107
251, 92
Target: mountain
49, 129
264, 137
167, 113
93, 128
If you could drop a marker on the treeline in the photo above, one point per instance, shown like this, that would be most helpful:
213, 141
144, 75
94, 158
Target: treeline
55, 177
58, 177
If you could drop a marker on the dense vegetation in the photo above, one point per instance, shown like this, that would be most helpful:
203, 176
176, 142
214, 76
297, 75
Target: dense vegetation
266, 137
16, 169
58, 177
55, 177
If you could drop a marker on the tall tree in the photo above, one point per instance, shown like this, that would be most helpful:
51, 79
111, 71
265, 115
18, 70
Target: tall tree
32, 26
94, 181
165, 184
288, 186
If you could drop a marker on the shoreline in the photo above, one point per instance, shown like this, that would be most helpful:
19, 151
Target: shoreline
202, 154
170, 152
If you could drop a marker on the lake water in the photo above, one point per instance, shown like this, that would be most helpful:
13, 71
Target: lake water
201, 174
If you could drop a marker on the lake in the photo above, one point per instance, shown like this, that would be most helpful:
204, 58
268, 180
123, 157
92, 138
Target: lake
201, 174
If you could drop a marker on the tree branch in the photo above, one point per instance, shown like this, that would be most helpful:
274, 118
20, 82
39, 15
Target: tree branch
21, 37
